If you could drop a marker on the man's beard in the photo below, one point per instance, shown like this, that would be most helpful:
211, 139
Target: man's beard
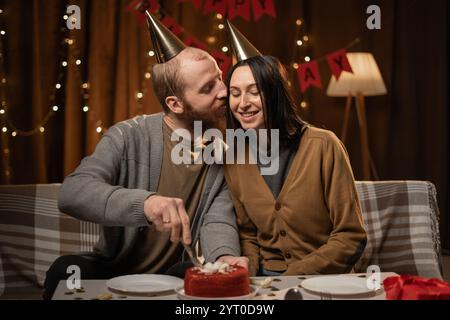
215, 119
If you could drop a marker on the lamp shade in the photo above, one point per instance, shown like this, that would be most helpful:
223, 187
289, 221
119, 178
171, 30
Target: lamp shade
366, 78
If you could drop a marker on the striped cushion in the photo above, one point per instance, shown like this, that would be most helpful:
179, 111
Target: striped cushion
400, 218
33, 233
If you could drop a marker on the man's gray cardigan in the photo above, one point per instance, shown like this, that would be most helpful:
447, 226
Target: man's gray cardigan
110, 187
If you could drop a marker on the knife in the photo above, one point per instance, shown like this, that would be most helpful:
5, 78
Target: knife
194, 259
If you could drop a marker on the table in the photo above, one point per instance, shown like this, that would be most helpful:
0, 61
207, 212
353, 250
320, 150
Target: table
95, 289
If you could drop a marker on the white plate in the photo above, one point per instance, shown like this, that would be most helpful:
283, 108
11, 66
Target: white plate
337, 285
182, 296
144, 283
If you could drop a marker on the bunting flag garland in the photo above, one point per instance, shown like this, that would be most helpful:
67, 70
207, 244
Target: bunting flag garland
172, 25
239, 8
308, 75
236, 8
338, 63
217, 6
192, 41
197, 3
227, 8
138, 8
223, 61
262, 7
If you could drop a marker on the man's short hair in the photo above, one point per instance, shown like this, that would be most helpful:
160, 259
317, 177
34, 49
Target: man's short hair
166, 77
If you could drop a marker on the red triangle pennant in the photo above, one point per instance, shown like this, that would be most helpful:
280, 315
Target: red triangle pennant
172, 25
138, 8
308, 75
197, 3
218, 6
191, 41
239, 8
223, 61
338, 63
262, 7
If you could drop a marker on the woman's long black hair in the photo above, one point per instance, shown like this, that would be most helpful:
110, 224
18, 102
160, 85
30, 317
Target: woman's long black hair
280, 110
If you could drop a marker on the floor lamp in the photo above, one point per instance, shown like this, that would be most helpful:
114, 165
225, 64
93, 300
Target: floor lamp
366, 80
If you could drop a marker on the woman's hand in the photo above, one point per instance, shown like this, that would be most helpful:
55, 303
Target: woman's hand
235, 261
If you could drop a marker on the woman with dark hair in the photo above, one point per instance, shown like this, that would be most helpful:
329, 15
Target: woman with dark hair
306, 218
272, 79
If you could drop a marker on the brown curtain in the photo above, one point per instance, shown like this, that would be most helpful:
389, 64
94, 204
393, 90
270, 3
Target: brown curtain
408, 131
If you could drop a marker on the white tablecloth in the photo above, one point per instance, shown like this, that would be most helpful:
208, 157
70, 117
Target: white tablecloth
94, 289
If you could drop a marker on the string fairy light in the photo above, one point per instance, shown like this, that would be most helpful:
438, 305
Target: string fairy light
300, 53
8, 128
303, 42
67, 45
40, 127
5, 174
218, 32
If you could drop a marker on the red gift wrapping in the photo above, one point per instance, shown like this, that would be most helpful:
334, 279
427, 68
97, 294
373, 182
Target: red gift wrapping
406, 287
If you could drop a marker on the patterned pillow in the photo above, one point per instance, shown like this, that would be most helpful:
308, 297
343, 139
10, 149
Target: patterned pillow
401, 221
33, 234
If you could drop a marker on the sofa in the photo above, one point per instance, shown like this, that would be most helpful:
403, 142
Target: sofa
400, 217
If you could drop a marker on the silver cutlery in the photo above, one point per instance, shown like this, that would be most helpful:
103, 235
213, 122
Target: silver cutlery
193, 258
325, 296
